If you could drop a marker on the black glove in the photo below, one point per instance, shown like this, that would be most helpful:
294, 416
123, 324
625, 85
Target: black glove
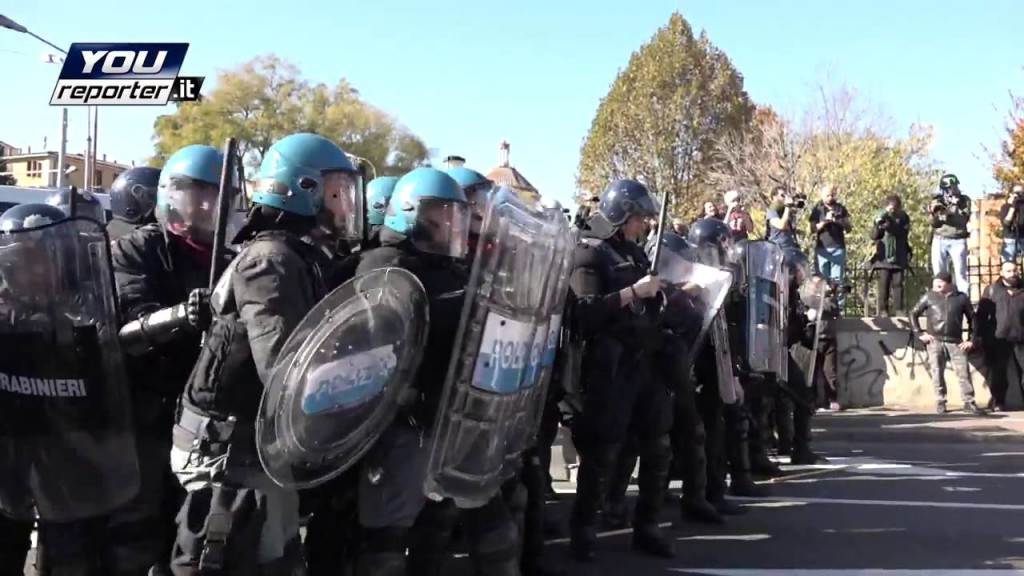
200, 316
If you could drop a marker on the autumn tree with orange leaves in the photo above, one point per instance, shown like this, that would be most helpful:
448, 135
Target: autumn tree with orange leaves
1008, 167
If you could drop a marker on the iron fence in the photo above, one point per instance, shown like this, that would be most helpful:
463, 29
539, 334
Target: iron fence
863, 282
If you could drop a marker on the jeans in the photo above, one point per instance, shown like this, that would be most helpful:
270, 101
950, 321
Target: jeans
947, 252
1012, 248
949, 352
832, 265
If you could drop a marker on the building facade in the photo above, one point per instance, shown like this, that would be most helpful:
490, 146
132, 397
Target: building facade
39, 169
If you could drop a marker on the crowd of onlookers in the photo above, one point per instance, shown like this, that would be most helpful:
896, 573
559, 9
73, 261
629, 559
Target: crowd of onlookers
992, 328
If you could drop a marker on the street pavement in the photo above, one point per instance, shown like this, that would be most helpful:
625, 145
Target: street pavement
902, 495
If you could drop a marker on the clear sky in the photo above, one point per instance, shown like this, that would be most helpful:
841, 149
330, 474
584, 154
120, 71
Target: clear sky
466, 74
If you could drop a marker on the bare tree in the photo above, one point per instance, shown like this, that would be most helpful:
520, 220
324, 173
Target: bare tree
754, 161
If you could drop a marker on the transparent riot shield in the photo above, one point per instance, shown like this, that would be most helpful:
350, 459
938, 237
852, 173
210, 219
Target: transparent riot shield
813, 293
547, 335
695, 293
341, 377
67, 450
723, 359
784, 305
491, 388
764, 315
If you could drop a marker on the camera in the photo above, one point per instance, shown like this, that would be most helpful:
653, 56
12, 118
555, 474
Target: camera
797, 201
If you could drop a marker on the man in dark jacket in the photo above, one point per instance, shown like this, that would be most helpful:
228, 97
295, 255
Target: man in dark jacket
1001, 329
1011, 216
946, 309
890, 232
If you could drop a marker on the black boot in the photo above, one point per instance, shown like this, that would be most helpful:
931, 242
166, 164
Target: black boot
784, 424
591, 486
736, 427
381, 564
802, 453
494, 540
647, 538
615, 515
431, 537
701, 511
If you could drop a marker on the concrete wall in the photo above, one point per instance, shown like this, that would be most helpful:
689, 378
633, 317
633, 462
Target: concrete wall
879, 364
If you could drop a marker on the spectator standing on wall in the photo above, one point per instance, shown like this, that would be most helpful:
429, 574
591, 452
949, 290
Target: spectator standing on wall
780, 216
890, 231
711, 211
1011, 216
951, 213
830, 221
737, 217
1000, 327
946, 309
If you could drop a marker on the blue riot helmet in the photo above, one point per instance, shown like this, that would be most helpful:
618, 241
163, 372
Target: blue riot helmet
477, 189
378, 194
289, 184
430, 208
87, 205
338, 203
133, 194
713, 241
186, 203
625, 198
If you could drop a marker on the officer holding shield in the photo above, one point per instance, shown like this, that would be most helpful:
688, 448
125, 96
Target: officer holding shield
65, 402
618, 316
259, 300
426, 232
722, 397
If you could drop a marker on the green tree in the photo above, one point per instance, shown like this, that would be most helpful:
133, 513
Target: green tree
662, 116
266, 99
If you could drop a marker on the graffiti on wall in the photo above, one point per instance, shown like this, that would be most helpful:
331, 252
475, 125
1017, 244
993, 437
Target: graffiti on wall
870, 363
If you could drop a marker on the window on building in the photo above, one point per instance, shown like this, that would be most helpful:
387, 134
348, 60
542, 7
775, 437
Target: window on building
98, 179
35, 169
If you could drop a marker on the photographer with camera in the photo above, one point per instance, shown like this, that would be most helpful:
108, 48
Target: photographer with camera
890, 232
830, 221
1011, 215
780, 216
950, 211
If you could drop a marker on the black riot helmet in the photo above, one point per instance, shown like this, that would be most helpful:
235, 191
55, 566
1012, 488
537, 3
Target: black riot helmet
87, 205
672, 242
713, 240
29, 216
949, 181
133, 195
625, 198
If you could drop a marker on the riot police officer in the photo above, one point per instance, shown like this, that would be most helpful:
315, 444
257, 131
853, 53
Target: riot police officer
425, 232
726, 424
795, 406
86, 205
133, 200
617, 314
15, 535
261, 297
378, 194
159, 266
477, 189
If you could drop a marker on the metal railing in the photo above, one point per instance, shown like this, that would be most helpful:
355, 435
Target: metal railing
863, 298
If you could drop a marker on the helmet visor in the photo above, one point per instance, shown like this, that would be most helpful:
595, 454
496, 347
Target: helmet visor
188, 209
478, 195
442, 227
342, 212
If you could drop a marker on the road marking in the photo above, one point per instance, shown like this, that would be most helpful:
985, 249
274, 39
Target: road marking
840, 572
604, 534
898, 503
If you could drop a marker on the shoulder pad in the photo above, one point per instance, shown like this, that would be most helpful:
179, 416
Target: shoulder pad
590, 242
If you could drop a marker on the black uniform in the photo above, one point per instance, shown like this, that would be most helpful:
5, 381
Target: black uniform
625, 392
794, 406
266, 292
389, 508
